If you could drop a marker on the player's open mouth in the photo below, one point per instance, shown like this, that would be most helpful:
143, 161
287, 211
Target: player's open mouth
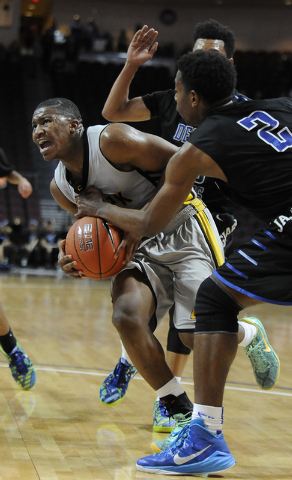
44, 146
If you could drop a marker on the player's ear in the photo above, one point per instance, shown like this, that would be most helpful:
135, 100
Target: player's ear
73, 126
194, 97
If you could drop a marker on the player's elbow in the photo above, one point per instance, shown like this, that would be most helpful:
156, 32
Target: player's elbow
109, 115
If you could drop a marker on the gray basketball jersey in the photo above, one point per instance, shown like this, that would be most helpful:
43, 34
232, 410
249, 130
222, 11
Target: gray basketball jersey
125, 189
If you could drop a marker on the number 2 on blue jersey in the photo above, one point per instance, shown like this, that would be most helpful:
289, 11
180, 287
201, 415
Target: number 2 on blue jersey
279, 141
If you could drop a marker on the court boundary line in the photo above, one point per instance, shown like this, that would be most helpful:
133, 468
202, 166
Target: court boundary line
102, 374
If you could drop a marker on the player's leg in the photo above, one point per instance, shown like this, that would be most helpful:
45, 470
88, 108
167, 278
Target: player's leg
20, 365
177, 355
134, 307
203, 448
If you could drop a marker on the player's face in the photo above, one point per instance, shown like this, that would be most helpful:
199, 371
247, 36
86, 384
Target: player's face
185, 102
206, 44
51, 133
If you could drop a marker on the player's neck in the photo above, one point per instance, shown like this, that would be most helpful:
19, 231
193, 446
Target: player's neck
73, 160
222, 103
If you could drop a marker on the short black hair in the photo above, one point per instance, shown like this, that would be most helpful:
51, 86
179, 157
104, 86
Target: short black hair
213, 30
63, 106
209, 73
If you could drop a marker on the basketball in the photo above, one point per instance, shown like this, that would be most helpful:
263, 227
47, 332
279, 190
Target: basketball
92, 243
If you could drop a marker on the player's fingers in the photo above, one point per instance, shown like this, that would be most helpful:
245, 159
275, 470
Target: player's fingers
69, 269
62, 246
121, 247
142, 31
129, 255
153, 47
150, 36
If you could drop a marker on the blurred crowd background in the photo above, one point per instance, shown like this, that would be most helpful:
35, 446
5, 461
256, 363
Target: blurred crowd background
80, 60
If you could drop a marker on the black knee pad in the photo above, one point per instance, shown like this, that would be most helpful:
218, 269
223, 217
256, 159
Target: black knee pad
216, 311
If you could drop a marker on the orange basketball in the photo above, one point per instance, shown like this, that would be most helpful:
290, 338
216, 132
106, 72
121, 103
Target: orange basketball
92, 243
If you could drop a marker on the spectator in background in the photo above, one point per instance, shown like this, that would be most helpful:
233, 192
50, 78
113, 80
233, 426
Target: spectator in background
14, 250
5, 231
31, 255
47, 42
76, 27
12, 247
123, 42
49, 244
91, 32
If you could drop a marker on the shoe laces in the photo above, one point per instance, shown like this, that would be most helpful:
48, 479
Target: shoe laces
181, 421
258, 358
179, 438
120, 375
17, 361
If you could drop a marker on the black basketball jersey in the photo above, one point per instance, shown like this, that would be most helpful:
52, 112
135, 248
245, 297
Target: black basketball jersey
163, 105
252, 144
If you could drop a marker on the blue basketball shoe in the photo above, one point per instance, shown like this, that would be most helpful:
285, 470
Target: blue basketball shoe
21, 367
200, 451
115, 386
161, 421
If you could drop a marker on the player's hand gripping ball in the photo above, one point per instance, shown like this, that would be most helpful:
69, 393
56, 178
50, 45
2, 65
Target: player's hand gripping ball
92, 243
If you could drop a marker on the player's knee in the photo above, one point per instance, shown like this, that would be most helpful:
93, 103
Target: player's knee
126, 318
122, 319
187, 339
175, 344
216, 311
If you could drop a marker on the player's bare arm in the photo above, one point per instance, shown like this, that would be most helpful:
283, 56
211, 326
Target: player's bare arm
128, 148
24, 186
118, 106
180, 174
60, 198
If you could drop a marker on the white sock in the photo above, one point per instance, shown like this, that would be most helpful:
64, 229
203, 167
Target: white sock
170, 388
212, 416
249, 332
125, 356
178, 379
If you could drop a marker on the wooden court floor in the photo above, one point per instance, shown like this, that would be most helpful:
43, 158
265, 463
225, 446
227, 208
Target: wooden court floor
60, 430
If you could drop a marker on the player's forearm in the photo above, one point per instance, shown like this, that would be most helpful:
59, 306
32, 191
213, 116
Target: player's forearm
14, 177
129, 220
119, 94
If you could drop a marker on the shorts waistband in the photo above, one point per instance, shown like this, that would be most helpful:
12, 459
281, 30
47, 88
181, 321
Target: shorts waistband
188, 210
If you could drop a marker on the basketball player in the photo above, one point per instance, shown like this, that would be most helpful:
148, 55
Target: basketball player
162, 105
20, 365
166, 268
247, 146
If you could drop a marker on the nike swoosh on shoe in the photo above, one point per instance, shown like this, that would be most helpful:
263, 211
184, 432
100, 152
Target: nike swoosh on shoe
182, 460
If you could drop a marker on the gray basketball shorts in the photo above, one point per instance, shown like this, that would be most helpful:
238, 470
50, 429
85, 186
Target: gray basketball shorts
176, 261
